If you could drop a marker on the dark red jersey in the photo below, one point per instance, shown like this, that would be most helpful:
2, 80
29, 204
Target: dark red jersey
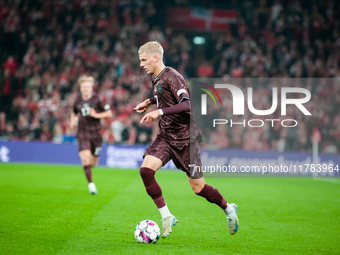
169, 89
87, 124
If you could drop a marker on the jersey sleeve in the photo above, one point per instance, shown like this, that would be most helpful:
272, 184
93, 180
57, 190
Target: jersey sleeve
179, 88
102, 107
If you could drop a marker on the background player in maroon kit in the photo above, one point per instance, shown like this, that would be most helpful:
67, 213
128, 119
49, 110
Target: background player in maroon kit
87, 112
171, 95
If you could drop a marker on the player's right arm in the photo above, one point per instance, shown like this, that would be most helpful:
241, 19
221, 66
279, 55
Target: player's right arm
74, 117
145, 105
73, 120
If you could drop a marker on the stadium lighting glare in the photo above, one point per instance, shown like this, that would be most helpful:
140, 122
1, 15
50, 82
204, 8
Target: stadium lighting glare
199, 40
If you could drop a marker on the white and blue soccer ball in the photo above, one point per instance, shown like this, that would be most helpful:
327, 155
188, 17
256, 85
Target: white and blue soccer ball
147, 231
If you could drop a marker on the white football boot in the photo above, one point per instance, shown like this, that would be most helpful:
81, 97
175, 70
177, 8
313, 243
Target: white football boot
92, 188
168, 222
233, 220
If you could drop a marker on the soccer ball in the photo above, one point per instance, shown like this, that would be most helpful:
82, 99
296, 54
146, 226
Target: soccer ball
147, 231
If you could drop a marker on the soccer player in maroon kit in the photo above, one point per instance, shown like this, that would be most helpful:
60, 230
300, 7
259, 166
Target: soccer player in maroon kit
87, 112
171, 95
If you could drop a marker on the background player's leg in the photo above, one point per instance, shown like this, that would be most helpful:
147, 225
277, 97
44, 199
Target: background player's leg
211, 194
94, 161
85, 156
147, 171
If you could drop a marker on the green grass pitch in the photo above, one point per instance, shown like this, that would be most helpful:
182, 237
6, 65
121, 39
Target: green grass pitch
46, 209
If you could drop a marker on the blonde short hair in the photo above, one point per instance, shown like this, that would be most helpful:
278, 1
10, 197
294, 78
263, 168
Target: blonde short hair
85, 79
152, 48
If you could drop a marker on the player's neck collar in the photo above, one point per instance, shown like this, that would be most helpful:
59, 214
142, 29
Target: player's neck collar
161, 73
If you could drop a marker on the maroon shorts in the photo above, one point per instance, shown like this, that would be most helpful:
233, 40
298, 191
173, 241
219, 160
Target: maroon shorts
90, 141
182, 154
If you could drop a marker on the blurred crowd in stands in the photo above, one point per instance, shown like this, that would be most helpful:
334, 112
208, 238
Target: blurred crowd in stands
46, 45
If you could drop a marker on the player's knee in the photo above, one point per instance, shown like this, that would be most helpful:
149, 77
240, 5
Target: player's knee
94, 163
146, 173
85, 158
197, 188
85, 161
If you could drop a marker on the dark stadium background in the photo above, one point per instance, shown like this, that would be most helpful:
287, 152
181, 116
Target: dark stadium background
46, 45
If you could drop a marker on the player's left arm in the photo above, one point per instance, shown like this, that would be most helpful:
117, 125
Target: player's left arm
180, 92
106, 112
183, 106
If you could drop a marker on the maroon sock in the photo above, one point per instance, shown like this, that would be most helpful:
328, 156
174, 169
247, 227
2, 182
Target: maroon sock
211, 194
87, 170
151, 186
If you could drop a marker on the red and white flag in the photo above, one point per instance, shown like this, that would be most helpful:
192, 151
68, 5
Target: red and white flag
200, 18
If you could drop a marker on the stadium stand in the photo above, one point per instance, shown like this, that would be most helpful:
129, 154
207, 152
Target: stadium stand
46, 45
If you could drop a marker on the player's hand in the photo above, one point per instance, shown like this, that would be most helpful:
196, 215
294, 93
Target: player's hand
150, 117
93, 113
142, 107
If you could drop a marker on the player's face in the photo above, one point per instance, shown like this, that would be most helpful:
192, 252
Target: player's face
86, 89
147, 61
